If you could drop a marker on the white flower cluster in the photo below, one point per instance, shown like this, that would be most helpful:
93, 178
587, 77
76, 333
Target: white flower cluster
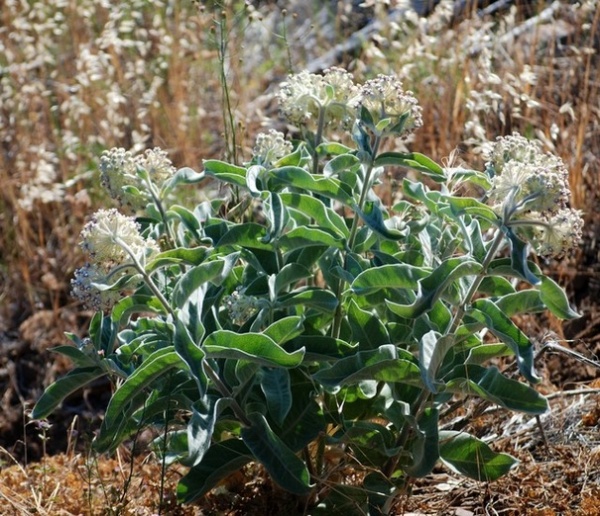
240, 307
532, 188
385, 99
270, 147
120, 174
114, 245
303, 95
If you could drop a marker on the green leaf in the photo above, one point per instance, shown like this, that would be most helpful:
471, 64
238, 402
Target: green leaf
219, 461
155, 366
225, 172
200, 430
310, 297
490, 384
433, 286
472, 176
327, 186
341, 163
276, 215
314, 208
289, 275
473, 207
191, 353
186, 217
249, 235
285, 468
185, 175
484, 352
135, 304
486, 312
467, 455
496, 286
181, 255
412, 160
424, 447
79, 358
367, 329
306, 236
402, 276
193, 279
386, 363
276, 386
285, 329
518, 255
333, 149
432, 350
252, 179
254, 347
103, 332
555, 298
372, 215
521, 302
55, 394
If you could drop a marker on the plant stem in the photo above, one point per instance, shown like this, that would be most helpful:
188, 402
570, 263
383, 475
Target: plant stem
163, 214
318, 138
224, 391
364, 192
147, 279
493, 249
337, 319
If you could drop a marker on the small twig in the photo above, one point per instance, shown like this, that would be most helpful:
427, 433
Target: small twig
555, 346
572, 392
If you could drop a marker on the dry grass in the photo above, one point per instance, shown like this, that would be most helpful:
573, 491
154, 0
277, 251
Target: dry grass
80, 77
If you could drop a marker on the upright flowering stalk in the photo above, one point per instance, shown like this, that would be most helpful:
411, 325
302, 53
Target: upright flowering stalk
384, 109
530, 191
117, 255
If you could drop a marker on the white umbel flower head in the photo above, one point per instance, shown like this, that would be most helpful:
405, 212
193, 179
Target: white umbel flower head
83, 288
240, 307
111, 238
304, 95
525, 179
118, 170
512, 148
392, 110
270, 147
561, 232
157, 164
126, 177
116, 250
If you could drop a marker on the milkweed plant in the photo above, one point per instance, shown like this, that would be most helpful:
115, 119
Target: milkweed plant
303, 324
